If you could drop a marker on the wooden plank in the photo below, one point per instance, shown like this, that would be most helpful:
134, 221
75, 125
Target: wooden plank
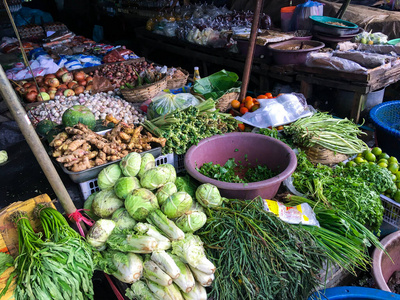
306, 89
348, 86
333, 74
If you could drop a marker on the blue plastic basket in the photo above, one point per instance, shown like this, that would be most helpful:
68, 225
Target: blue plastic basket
386, 117
353, 293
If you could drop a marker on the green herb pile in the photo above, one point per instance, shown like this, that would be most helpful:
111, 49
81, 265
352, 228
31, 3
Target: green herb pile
274, 133
184, 128
258, 256
345, 240
354, 190
229, 172
59, 267
339, 135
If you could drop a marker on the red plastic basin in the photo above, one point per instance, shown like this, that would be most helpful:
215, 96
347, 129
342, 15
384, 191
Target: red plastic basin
258, 148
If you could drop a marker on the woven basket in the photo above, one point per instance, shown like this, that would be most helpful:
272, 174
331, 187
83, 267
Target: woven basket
321, 155
177, 83
224, 102
144, 92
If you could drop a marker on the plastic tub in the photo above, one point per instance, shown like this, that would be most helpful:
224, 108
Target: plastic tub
386, 118
259, 51
253, 147
382, 265
286, 17
353, 293
286, 57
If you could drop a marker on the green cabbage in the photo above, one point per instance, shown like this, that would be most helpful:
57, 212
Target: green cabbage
176, 205
154, 178
172, 170
130, 164
125, 185
148, 162
108, 176
99, 233
208, 195
122, 219
191, 221
165, 191
105, 203
88, 206
140, 203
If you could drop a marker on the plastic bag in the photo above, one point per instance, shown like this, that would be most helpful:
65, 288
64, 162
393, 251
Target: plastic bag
299, 214
279, 111
301, 20
327, 61
166, 103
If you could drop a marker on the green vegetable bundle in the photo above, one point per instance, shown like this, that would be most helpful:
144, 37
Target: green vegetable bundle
339, 135
353, 190
187, 127
59, 267
258, 256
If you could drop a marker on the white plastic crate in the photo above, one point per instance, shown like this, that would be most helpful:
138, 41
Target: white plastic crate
391, 213
90, 186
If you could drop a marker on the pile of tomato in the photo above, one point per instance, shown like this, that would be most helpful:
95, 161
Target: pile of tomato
249, 103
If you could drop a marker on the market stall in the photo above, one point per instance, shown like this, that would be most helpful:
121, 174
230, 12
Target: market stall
191, 191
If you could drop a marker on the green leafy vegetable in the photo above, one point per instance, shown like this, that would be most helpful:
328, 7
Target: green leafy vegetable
6, 261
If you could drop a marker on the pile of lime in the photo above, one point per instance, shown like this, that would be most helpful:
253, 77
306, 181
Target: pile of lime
376, 156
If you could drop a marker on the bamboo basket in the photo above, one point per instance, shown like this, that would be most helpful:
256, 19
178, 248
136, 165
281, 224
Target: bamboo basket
224, 103
176, 83
320, 155
145, 92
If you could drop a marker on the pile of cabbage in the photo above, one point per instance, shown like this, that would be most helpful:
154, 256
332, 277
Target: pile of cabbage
144, 230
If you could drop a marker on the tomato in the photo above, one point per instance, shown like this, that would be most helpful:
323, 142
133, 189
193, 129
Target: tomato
249, 104
242, 104
269, 95
279, 127
248, 98
235, 104
280, 94
255, 107
241, 127
243, 110
262, 97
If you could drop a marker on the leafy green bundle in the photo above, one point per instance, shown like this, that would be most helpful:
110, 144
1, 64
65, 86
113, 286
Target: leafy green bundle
354, 190
184, 128
59, 267
257, 255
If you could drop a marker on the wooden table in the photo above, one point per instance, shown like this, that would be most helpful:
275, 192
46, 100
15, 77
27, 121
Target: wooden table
360, 84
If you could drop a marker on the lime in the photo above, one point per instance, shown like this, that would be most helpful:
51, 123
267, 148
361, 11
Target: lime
393, 167
398, 175
394, 177
350, 163
376, 151
365, 152
392, 159
341, 164
398, 185
370, 157
371, 163
397, 196
383, 155
359, 155
383, 165
383, 160
359, 160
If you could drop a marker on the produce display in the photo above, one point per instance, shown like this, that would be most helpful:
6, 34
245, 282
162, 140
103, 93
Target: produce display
187, 127
101, 104
383, 160
145, 237
78, 148
205, 25
58, 266
331, 133
129, 75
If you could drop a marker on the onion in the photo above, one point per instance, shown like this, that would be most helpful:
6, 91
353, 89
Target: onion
52, 88
54, 82
62, 86
89, 87
79, 90
60, 92
43, 97
52, 94
82, 82
72, 84
48, 76
43, 90
79, 76
61, 72
27, 85
69, 92
89, 79
31, 96
67, 77
39, 79
32, 88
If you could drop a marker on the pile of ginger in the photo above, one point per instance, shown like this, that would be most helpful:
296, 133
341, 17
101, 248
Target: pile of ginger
80, 148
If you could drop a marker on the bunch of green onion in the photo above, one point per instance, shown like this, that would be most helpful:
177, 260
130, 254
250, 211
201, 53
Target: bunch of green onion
57, 267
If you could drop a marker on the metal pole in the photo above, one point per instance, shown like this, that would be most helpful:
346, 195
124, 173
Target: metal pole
249, 57
20, 116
